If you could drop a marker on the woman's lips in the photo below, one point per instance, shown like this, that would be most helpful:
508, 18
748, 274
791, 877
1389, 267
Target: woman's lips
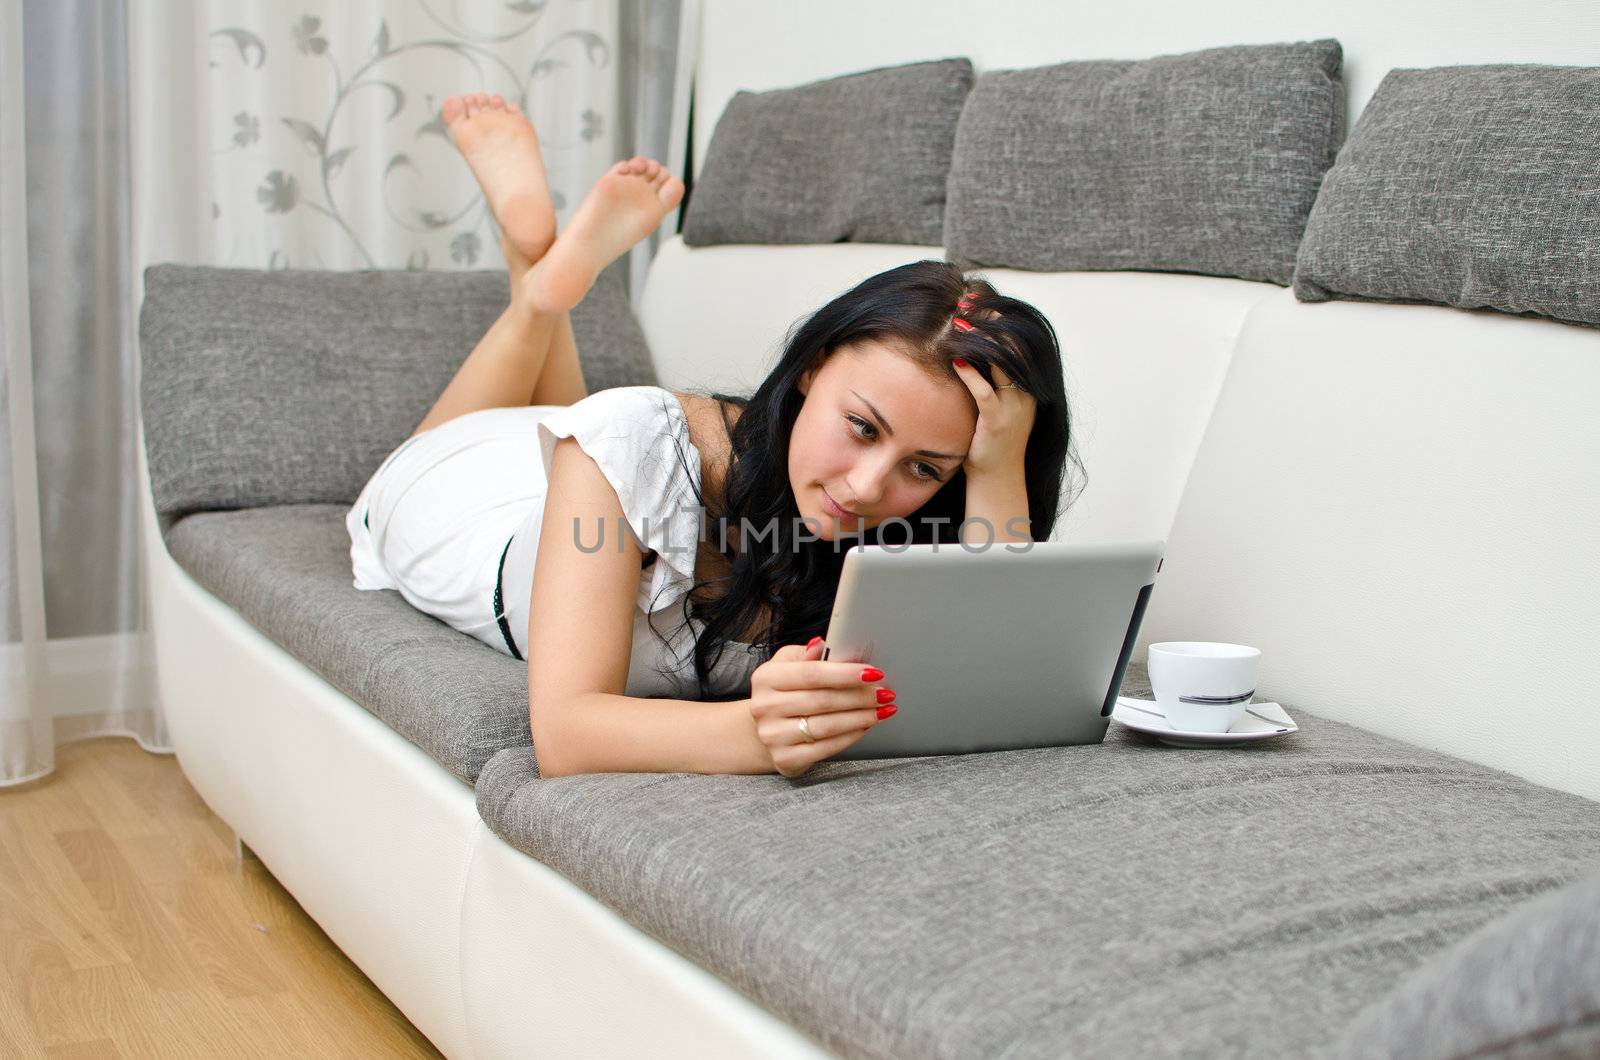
836, 509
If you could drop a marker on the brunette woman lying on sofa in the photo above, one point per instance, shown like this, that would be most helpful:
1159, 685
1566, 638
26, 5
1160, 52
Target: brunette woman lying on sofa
920, 395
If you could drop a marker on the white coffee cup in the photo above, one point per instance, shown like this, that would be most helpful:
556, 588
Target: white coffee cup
1202, 686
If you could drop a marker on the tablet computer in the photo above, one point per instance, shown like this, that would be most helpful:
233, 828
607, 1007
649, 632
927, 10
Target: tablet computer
1004, 647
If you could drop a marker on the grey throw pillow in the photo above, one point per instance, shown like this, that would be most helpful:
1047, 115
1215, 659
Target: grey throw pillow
1469, 186
859, 158
290, 386
1204, 162
1527, 984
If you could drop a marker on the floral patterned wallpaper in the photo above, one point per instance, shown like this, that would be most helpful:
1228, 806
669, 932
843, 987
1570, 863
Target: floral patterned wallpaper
328, 149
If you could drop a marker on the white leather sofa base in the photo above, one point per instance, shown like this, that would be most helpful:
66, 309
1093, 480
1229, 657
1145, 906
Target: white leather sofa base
386, 851
546, 970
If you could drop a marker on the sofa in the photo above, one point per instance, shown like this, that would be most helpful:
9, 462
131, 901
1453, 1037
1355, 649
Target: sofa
1392, 498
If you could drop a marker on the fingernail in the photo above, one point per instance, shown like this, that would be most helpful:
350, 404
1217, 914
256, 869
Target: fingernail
871, 673
813, 642
961, 362
885, 695
884, 712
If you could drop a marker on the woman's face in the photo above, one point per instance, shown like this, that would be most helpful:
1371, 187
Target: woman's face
876, 434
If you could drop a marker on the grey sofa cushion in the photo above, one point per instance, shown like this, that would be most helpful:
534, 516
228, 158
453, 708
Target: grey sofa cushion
858, 158
1525, 985
1470, 186
286, 570
1203, 162
1122, 899
290, 387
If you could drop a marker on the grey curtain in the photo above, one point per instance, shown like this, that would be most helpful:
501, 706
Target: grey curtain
647, 39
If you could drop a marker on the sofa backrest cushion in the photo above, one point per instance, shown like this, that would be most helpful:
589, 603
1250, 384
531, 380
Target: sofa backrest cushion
861, 157
760, 46
290, 386
1467, 186
1525, 984
1396, 504
1202, 162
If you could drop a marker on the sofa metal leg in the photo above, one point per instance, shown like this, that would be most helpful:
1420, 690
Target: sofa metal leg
241, 851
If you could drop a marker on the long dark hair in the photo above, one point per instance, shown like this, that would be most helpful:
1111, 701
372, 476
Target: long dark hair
909, 308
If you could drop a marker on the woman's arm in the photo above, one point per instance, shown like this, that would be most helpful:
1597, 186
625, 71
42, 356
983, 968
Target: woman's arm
1002, 500
600, 732
580, 640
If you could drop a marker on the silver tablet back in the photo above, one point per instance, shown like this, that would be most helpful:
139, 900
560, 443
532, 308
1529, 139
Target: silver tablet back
992, 649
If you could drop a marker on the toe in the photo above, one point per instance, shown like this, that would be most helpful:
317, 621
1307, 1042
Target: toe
498, 102
454, 107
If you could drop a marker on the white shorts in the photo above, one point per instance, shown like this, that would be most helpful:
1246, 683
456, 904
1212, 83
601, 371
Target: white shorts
437, 515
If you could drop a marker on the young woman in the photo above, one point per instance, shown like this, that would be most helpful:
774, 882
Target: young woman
920, 404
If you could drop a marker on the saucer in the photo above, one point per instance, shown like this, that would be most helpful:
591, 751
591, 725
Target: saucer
1261, 721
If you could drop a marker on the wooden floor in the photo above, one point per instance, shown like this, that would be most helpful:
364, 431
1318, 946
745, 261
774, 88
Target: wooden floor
129, 927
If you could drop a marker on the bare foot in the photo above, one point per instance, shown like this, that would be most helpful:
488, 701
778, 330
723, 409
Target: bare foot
502, 150
626, 204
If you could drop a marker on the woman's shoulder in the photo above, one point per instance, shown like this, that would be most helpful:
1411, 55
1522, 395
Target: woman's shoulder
709, 422
635, 420
647, 414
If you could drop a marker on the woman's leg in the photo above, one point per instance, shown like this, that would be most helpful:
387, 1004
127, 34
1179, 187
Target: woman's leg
501, 370
627, 204
560, 381
508, 366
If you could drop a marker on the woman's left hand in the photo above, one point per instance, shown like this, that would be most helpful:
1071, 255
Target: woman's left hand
1005, 420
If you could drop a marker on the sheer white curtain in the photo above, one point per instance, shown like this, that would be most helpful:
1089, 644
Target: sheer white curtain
248, 134
76, 659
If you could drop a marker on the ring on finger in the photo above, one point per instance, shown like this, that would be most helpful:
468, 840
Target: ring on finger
805, 730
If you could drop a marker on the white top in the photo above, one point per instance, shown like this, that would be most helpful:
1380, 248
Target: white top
635, 434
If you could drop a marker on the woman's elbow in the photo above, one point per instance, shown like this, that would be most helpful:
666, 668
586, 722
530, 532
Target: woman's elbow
546, 757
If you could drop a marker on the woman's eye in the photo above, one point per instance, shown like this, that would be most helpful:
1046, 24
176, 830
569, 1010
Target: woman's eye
925, 471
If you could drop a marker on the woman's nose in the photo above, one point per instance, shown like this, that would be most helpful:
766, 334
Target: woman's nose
866, 485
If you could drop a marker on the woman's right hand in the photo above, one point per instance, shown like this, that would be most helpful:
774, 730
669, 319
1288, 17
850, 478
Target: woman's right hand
839, 700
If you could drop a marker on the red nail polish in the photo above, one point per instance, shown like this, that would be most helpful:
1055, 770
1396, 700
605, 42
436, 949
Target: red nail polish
813, 642
961, 362
871, 673
884, 712
885, 695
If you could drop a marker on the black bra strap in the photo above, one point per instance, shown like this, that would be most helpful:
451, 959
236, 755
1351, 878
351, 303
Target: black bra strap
505, 627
